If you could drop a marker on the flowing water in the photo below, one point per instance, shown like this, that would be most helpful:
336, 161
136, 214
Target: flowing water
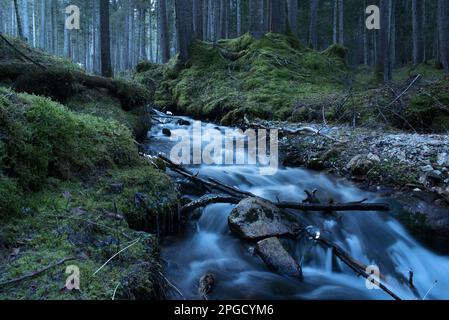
207, 246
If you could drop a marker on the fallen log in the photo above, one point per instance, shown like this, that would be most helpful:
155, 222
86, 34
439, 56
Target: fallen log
357, 267
334, 207
235, 194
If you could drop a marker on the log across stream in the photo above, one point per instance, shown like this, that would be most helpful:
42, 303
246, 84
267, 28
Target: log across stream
376, 239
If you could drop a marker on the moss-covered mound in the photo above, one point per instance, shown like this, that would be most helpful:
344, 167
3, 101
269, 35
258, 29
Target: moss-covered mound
41, 139
250, 77
65, 82
73, 186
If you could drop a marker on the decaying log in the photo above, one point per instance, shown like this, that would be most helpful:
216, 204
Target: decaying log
356, 266
235, 194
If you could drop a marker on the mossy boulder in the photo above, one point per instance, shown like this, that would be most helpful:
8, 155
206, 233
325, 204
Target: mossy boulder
41, 139
153, 197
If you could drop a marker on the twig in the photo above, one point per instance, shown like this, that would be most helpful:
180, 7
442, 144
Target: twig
115, 291
172, 285
404, 92
36, 273
109, 260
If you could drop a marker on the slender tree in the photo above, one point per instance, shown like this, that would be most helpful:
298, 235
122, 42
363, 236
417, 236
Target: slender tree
256, 15
443, 33
106, 68
383, 67
198, 18
341, 22
184, 28
313, 33
19, 23
278, 18
163, 31
43, 27
418, 31
293, 16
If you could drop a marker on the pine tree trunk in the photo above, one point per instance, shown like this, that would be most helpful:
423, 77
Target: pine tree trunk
383, 67
335, 23
19, 23
313, 33
443, 32
278, 19
341, 22
184, 28
293, 17
256, 16
106, 68
43, 31
418, 31
26, 26
198, 18
163, 31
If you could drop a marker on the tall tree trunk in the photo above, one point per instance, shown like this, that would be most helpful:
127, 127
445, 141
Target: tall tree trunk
341, 22
418, 31
239, 17
142, 34
278, 18
26, 25
184, 28
163, 31
313, 33
383, 67
256, 16
443, 32
43, 31
335, 23
293, 16
198, 18
106, 68
19, 23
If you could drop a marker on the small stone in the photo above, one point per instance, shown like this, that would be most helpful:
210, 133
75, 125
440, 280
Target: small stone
443, 159
166, 132
427, 168
373, 157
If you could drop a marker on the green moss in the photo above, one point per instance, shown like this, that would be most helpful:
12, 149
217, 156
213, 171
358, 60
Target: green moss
10, 198
80, 223
42, 138
55, 83
133, 95
154, 198
250, 77
429, 109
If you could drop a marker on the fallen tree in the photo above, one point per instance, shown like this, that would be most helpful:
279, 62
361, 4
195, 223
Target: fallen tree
234, 196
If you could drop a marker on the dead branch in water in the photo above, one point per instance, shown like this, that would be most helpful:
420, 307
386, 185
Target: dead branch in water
356, 266
234, 196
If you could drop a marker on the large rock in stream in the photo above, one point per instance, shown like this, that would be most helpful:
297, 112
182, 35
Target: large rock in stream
277, 258
256, 219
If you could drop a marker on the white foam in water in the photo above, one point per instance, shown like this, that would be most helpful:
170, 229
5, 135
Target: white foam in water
371, 238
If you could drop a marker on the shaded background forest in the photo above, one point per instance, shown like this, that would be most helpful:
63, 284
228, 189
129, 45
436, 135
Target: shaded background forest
147, 29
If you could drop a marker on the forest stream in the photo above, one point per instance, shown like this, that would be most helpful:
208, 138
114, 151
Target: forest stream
206, 244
